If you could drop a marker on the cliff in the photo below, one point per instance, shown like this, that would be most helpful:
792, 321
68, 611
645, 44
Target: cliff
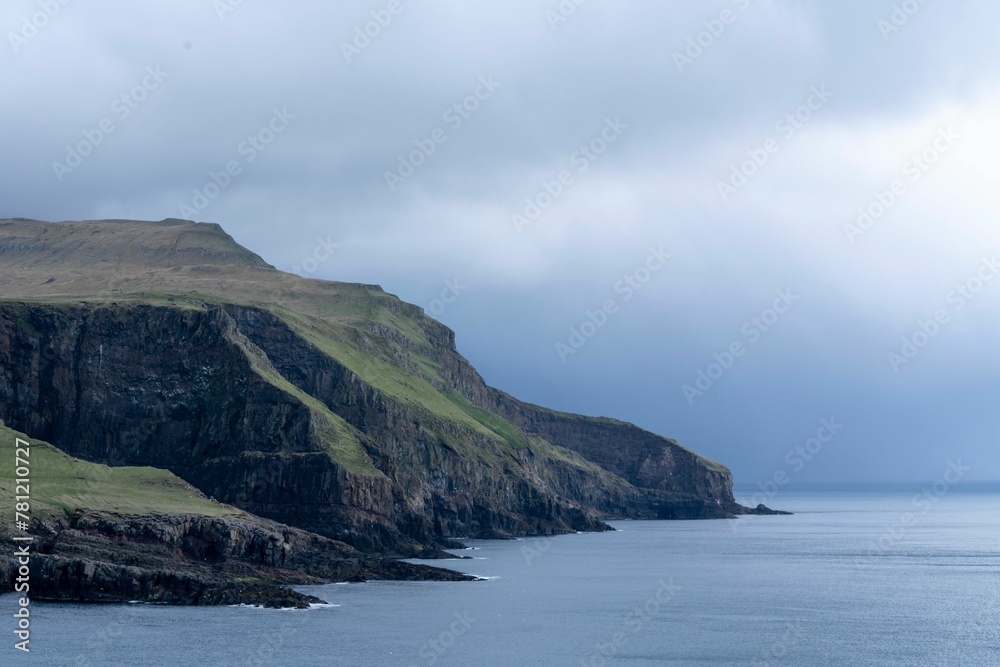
331, 407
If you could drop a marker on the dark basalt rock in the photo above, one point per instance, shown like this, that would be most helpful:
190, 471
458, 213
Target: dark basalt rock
764, 510
191, 560
174, 388
64, 580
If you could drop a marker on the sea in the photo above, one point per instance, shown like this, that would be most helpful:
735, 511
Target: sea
859, 575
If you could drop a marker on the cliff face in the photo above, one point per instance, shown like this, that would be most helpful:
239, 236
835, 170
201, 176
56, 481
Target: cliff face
331, 407
673, 481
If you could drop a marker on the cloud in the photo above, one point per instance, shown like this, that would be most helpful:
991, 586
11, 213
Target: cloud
323, 179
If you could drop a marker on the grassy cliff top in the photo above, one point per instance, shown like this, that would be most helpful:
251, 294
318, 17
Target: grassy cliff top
175, 262
118, 245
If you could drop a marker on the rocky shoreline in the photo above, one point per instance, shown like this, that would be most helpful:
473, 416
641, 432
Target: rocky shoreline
191, 560
101, 557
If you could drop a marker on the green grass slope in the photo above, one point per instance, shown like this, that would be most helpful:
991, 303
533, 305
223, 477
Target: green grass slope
61, 484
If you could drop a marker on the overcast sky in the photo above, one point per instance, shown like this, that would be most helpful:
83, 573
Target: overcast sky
652, 175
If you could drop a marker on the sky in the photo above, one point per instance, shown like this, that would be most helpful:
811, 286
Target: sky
766, 229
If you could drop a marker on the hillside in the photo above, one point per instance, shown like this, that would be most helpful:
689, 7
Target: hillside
66, 484
332, 407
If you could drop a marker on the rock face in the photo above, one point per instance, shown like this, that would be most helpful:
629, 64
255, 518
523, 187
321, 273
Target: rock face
81, 580
334, 408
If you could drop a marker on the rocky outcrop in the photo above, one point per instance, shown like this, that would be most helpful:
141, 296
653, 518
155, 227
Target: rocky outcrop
83, 580
764, 510
191, 560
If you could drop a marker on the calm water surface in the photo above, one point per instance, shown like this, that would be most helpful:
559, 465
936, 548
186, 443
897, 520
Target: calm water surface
856, 577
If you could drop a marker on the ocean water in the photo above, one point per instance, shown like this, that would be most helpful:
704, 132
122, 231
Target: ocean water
857, 577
